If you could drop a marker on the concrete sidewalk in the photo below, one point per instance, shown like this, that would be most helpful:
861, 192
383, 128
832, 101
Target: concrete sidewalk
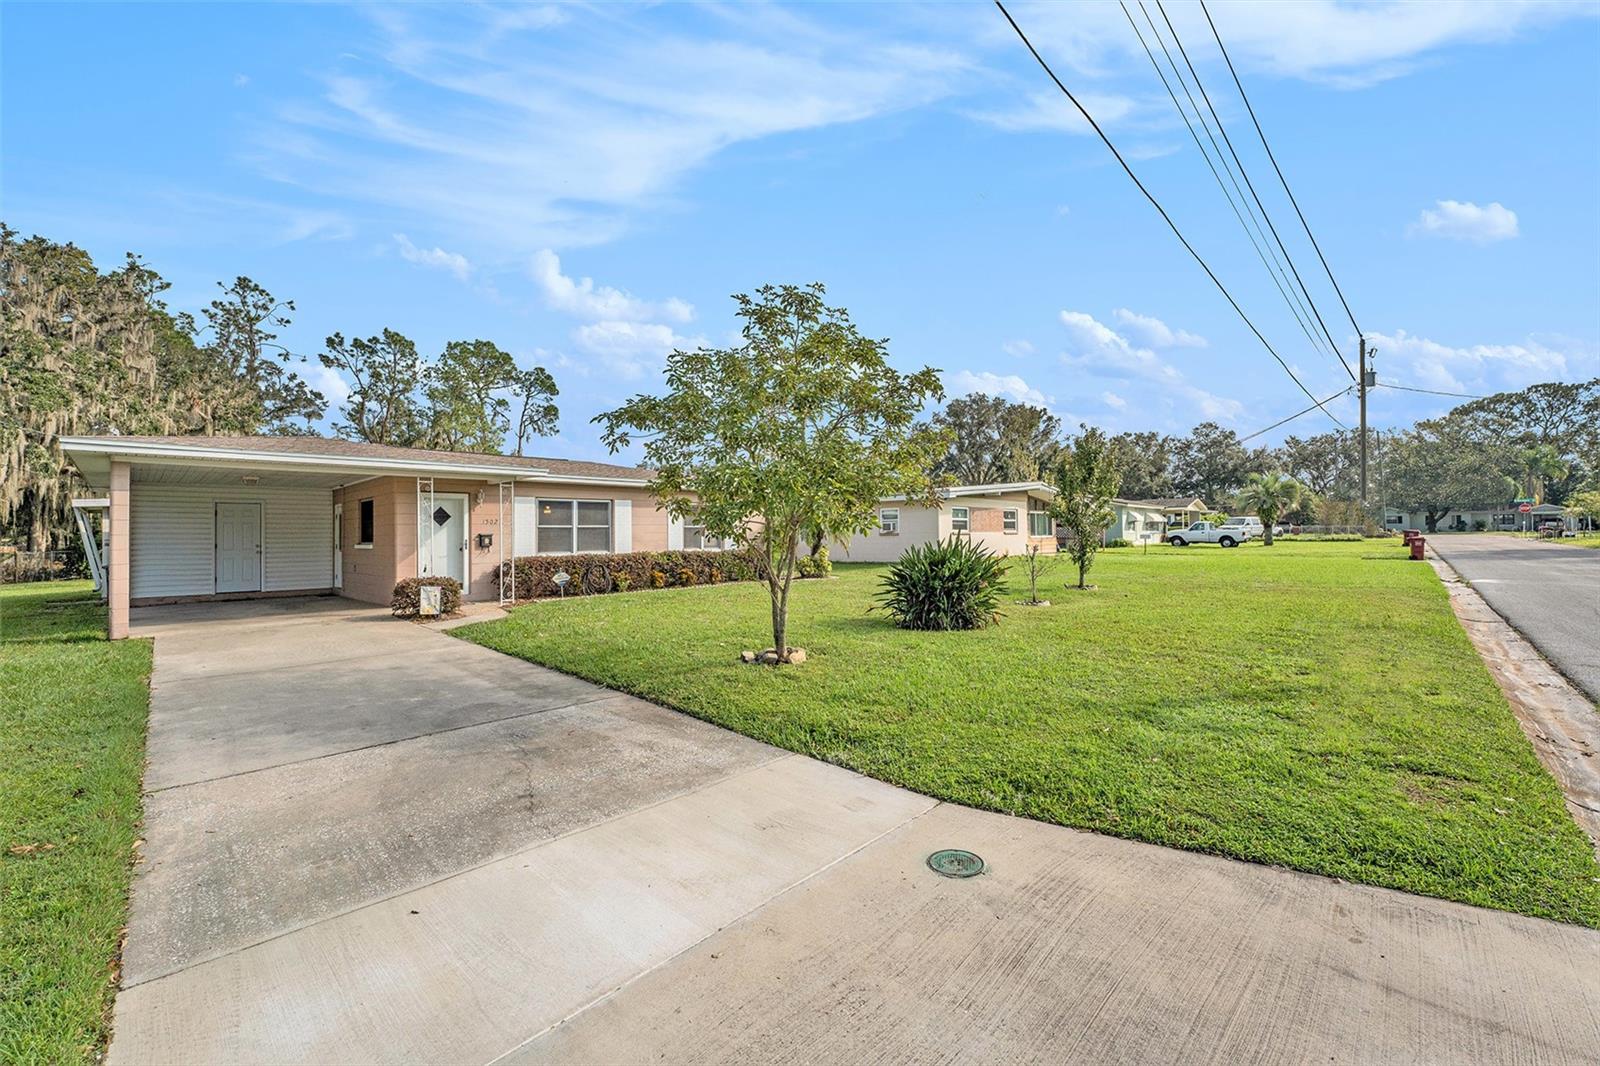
370, 842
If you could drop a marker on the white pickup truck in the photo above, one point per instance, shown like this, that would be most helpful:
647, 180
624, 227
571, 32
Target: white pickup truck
1210, 533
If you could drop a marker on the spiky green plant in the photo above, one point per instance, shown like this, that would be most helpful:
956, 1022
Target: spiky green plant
951, 584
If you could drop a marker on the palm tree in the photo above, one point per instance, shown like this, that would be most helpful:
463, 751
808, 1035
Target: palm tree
1269, 495
1540, 464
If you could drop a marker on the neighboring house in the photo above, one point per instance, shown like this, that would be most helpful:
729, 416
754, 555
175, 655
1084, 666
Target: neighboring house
1486, 517
244, 517
1003, 518
1137, 521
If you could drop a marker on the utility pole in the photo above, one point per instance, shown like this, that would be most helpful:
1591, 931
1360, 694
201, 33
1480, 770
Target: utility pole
1361, 389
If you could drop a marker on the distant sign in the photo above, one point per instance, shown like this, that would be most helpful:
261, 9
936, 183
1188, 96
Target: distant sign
1525, 508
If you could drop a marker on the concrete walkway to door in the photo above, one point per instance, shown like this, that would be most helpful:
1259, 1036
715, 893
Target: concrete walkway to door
370, 842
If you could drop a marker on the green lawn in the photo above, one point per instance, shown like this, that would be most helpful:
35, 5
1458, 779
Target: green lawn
73, 708
1314, 705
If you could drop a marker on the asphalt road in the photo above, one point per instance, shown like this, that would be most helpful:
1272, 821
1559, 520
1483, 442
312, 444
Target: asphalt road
1549, 592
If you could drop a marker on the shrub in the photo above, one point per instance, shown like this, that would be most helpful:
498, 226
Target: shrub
818, 565
952, 584
602, 572
1119, 542
407, 600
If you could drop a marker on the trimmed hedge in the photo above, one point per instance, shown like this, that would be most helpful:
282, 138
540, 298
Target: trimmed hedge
407, 600
599, 573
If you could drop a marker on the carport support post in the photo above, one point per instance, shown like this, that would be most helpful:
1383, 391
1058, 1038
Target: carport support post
117, 532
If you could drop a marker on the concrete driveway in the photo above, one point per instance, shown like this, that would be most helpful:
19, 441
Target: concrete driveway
370, 842
1548, 591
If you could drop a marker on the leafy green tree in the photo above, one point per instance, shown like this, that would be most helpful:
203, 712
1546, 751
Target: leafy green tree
466, 409
384, 405
1564, 416
1539, 465
803, 426
536, 393
1586, 504
81, 351
1325, 464
996, 441
1086, 481
261, 392
1269, 495
1433, 472
1145, 460
1210, 463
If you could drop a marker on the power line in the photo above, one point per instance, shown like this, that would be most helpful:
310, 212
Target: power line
1281, 179
1163, 211
1297, 414
1195, 74
1430, 392
1275, 275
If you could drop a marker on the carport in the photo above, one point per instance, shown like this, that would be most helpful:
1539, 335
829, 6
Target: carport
221, 518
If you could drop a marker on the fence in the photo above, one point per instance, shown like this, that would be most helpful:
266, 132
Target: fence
17, 567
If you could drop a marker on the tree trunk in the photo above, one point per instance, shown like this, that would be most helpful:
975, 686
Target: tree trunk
1083, 572
780, 620
1266, 535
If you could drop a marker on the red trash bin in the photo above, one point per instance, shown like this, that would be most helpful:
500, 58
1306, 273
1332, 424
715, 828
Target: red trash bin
1417, 544
1411, 535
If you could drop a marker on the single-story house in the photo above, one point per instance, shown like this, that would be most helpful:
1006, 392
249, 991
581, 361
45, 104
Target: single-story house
1138, 521
194, 518
1504, 516
1006, 519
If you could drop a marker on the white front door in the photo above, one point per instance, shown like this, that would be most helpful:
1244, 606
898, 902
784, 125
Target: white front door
442, 537
338, 545
238, 546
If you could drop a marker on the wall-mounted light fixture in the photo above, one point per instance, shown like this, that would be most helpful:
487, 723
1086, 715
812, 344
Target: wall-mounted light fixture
251, 479
485, 539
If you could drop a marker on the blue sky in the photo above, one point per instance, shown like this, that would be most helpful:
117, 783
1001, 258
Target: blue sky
586, 185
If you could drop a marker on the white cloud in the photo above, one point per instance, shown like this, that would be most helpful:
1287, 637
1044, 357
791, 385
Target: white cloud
1099, 350
1112, 400
437, 258
1156, 333
1465, 221
1018, 348
630, 349
1475, 368
1052, 111
552, 126
327, 381
965, 382
1343, 44
583, 298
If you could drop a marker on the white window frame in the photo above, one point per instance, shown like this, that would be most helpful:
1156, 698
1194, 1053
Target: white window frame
889, 522
1044, 517
610, 527
707, 544
965, 519
1009, 522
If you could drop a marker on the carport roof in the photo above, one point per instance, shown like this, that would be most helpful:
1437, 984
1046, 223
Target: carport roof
94, 453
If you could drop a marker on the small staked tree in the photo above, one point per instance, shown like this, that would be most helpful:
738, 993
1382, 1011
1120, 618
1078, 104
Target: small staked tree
1036, 564
1086, 481
800, 429
1269, 496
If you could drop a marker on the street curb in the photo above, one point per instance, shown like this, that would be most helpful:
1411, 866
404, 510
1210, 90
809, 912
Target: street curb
1557, 718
